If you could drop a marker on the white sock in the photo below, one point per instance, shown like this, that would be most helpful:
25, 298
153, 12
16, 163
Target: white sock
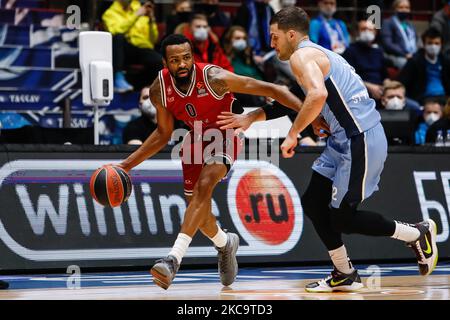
405, 232
220, 239
341, 261
180, 246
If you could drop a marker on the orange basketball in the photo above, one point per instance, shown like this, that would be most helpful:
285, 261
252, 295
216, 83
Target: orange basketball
110, 186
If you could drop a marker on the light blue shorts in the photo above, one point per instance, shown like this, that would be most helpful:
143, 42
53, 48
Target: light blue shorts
354, 165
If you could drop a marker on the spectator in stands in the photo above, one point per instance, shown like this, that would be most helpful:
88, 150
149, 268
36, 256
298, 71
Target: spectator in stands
287, 3
240, 54
398, 35
217, 19
368, 59
328, 32
277, 5
441, 22
432, 112
135, 33
182, 14
137, 130
206, 44
394, 97
427, 74
254, 16
441, 125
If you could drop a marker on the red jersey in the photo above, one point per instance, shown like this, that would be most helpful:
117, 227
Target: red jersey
200, 103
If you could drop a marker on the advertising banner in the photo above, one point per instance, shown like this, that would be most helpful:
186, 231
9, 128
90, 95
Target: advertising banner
48, 219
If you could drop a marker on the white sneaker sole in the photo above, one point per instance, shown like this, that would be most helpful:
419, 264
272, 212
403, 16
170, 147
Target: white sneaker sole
356, 286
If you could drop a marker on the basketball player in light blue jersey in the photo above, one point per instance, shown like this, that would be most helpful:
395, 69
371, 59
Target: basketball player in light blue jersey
349, 169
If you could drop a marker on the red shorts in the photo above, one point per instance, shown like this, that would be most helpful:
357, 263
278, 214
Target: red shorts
214, 146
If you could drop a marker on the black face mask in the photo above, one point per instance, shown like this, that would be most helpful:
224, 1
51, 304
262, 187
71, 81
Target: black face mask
404, 16
184, 16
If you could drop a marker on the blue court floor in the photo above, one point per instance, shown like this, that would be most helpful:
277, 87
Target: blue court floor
198, 277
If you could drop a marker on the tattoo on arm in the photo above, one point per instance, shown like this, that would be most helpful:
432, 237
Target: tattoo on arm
155, 93
216, 82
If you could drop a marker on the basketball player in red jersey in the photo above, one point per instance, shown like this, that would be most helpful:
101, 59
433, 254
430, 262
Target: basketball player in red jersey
197, 94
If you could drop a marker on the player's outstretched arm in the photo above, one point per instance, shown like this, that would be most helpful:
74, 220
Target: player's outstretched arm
240, 122
223, 81
159, 138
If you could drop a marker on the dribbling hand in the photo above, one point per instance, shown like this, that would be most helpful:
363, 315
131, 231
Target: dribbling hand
121, 165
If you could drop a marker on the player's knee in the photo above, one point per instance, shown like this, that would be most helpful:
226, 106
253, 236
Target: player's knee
342, 221
204, 187
338, 224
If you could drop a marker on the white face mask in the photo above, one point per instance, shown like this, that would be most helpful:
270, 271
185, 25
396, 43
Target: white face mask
240, 45
433, 50
395, 104
201, 34
431, 118
367, 36
148, 108
288, 3
329, 13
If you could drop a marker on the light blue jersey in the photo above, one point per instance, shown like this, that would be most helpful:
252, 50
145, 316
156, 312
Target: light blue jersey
357, 148
349, 109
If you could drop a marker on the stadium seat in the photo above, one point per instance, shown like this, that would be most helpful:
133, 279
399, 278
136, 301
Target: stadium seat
24, 4
26, 17
19, 56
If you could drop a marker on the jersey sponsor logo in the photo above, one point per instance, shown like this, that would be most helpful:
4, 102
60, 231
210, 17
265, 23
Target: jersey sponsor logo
201, 89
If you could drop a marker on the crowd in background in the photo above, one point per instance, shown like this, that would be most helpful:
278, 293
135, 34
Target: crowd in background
402, 70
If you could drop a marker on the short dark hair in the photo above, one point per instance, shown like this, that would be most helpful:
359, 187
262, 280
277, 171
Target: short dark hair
435, 100
198, 16
431, 33
173, 39
294, 18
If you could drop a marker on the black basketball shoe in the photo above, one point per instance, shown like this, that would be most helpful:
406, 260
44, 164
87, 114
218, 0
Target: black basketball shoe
425, 247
